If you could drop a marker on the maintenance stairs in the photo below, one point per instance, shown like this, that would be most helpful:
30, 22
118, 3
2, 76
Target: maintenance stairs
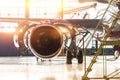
104, 42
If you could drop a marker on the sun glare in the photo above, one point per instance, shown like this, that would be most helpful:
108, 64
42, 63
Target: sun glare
46, 3
8, 29
40, 8
11, 3
45, 7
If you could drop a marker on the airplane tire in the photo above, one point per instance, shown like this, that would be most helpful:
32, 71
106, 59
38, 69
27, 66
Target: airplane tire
69, 57
80, 57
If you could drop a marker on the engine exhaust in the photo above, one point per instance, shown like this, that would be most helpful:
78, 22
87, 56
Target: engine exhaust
45, 41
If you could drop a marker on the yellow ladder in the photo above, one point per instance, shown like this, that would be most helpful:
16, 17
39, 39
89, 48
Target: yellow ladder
103, 42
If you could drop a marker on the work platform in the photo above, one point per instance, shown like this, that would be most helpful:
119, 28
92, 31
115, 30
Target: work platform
27, 68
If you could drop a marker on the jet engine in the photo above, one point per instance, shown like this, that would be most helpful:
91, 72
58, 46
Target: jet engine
44, 40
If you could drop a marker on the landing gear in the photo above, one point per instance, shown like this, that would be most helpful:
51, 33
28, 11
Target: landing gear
80, 57
70, 56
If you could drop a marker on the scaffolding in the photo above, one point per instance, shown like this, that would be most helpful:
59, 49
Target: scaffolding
103, 43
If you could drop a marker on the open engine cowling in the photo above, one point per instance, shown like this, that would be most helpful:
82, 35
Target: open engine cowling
45, 41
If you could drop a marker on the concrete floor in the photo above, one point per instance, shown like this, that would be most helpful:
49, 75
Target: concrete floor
27, 68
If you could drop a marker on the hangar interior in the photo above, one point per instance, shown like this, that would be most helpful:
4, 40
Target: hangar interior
59, 39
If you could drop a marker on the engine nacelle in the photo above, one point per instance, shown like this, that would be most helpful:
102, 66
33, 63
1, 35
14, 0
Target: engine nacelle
44, 38
45, 41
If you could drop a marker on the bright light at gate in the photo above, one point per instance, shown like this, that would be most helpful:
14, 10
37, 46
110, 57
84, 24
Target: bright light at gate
11, 3
8, 27
8, 30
